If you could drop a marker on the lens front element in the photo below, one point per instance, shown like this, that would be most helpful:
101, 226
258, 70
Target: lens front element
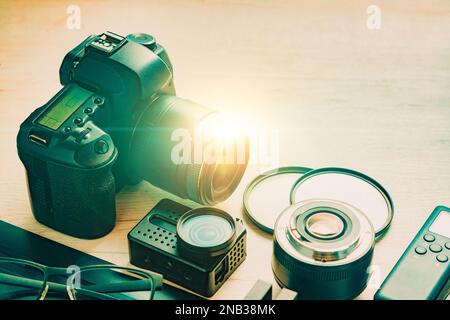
206, 232
185, 149
324, 225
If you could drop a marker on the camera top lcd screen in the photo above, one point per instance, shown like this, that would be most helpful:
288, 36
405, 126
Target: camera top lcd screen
64, 107
441, 225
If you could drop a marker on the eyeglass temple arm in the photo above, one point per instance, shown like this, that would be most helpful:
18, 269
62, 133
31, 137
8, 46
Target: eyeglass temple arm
37, 284
94, 290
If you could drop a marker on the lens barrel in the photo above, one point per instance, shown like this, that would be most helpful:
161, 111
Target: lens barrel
164, 151
318, 267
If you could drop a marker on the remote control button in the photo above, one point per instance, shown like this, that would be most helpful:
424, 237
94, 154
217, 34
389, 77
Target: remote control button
88, 110
101, 146
429, 237
67, 129
421, 250
435, 248
442, 258
447, 245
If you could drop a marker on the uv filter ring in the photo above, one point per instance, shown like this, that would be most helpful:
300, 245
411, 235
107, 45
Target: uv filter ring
298, 193
252, 214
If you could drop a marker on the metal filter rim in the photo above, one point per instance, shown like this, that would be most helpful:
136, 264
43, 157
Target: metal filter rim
256, 181
379, 233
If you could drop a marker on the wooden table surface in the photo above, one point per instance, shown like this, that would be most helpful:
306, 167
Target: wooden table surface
338, 93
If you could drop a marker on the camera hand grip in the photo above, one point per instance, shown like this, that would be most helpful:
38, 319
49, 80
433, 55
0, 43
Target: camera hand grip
78, 202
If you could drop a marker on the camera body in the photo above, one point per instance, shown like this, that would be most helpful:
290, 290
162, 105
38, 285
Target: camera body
154, 245
75, 147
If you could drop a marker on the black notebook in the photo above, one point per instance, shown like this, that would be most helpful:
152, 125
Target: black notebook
16, 242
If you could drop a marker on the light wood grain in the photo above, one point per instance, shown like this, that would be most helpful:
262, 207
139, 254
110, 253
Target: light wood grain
339, 94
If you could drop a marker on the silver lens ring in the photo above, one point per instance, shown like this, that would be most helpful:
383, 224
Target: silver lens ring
356, 240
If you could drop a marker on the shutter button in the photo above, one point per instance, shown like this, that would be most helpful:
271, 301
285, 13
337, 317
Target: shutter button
101, 146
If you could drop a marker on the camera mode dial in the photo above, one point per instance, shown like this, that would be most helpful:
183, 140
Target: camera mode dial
144, 39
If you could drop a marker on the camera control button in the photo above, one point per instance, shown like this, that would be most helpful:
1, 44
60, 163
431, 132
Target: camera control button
101, 146
82, 135
435, 248
421, 250
442, 258
428, 237
98, 101
447, 245
78, 121
145, 39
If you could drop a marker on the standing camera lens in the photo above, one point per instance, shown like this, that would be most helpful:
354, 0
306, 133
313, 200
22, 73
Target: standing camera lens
322, 249
170, 147
205, 232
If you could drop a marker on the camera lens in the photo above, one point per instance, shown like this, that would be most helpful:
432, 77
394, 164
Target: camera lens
183, 148
322, 249
205, 232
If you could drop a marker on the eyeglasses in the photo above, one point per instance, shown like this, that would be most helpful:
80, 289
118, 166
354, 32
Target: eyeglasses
27, 280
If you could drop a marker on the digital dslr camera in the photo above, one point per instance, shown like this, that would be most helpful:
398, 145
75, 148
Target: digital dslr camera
196, 248
112, 124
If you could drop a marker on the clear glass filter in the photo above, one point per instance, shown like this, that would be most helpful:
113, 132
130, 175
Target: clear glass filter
268, 195
348, 186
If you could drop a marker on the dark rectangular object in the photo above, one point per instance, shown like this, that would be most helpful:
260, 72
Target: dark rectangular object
19, 243
423, 270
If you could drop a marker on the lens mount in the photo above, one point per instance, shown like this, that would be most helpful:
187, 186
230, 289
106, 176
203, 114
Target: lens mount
293, 233
205, 232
